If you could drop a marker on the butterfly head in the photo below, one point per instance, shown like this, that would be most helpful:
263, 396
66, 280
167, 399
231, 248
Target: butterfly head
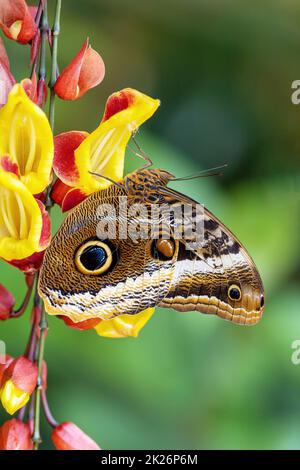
146, 181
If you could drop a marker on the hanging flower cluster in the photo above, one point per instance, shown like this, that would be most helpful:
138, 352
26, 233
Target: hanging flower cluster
26, 156
38, 170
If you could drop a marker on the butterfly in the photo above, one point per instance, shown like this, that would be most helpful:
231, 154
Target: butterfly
86, 274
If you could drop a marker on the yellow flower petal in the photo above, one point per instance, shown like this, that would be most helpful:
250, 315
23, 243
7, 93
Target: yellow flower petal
15, 29
12, 397
103, 151
20, 219
124, 325
25, 135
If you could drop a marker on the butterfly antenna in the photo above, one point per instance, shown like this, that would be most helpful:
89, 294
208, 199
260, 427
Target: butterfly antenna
203, 174
141, 154
106, 178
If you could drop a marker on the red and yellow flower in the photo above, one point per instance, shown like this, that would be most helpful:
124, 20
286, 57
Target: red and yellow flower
24, 223
26, 155
124, 325
26, 137
18, 382
17, 20
80, 156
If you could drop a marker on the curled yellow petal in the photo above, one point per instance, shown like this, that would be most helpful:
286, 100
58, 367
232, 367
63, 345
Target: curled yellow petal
15, 29
25, 135
12, 398
124, 325
20, 219
103, 151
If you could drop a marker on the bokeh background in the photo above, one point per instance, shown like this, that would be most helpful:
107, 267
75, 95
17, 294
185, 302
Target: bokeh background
223, 71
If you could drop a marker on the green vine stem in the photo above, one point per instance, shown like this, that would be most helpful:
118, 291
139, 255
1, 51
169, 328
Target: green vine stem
36, 438
17, 313
37, 21
44, 28
53, 77
40, 396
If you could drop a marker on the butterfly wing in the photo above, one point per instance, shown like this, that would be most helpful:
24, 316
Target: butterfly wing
134, 281
217, 277
206, 277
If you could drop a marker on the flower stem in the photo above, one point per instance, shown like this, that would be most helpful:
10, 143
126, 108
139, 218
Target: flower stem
31, 346
36, 438
53, 77
44, 28
37, 21
17, 313
40, 347
49, 416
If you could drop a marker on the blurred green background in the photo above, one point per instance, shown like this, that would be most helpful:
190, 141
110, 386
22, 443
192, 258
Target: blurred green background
223, 71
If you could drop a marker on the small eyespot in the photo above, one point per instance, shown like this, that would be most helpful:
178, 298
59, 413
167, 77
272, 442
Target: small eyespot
262, 301
93, 257
234, 292
163, 249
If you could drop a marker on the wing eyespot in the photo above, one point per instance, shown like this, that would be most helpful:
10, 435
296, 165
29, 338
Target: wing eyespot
163, 249
93, 257
234, 292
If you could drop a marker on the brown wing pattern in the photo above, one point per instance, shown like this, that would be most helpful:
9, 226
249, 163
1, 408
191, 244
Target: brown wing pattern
202, 279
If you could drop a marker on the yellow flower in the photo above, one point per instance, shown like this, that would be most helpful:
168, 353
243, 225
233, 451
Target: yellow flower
103, 151
12, 398
24, 225
124, 325
17, 384
26, 137
79, 156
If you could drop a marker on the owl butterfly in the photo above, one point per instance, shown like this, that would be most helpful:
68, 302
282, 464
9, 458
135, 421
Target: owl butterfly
86, 276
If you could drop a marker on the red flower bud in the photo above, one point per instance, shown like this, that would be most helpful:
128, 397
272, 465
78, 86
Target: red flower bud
86, 71
7, 301
15, 435
16, 20
23, 373
18, 382
68, 436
